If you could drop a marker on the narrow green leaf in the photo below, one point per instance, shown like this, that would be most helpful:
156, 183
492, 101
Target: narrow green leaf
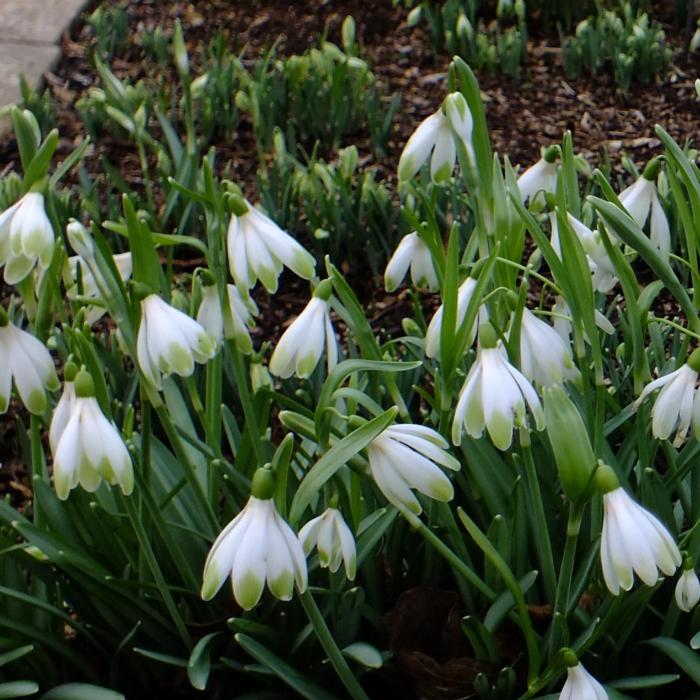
81, 691
199, 664
680, 654
18, 689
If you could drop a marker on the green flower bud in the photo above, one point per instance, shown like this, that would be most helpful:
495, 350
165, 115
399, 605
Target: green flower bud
569, 439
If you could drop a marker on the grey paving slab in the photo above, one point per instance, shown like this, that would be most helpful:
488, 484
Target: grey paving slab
29, 60
37, 21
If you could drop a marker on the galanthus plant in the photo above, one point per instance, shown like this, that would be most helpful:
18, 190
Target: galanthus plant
354, 464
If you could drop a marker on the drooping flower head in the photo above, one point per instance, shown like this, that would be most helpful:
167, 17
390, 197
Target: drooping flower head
27, 361
87, 447
26, 237
580, 684
406, 457
494, 395
687, 591
301, 346
169, 341
641, 199
235, 323
330, 534
439, 134
540, 177
257, 546
677, 407
633, 539
434, 330
545, 358
258, 249
413, 253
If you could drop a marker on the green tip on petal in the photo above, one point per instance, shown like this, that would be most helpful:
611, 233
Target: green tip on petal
180, 359
442, 174
248, 591
306, 365
283, 586
210, 584
36, 403
500, 431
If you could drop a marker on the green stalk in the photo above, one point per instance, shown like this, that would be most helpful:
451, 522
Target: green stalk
543, 542
244, 394
335, 656
190, 474
152, 561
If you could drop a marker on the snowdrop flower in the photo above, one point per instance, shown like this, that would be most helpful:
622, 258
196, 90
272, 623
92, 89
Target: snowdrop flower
169, 341
599, 262
678, 404
235, 326
64, 408
580, 684
88, 447
258, 249
544, 357
90, 287
439, 134
255, 547
25, 359
432, 334
542, 176
332, 537
406, 457
301, 346
633, 539
562, 320
414, 253
641, 199
494, 396
26, 236
688, 587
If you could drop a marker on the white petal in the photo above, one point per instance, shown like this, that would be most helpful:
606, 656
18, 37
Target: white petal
419, 145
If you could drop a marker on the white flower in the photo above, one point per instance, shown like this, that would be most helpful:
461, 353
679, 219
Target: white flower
633, 540
169, 341
301, 346
333, 538
63, 411
438, 133
640, 199
414, 253
256, 546
87, 448
258, 249
25, 359
26, 236
562, 321
494, 396
544, 357
542, 176
678, 404
242, 309
91, 290
405, 457
687, 590
580, 685
432, 334
599, 263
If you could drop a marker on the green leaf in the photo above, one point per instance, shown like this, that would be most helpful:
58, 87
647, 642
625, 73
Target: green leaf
18, 689
26, 139
638, 682
364, 654
199, 664
295, 680
680, 654
167, 659
81, 691
505, 602
14, 654
39, 165
335, 458
75, 157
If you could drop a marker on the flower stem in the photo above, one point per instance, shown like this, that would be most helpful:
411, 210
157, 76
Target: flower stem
543, 542
329, 645
246, 402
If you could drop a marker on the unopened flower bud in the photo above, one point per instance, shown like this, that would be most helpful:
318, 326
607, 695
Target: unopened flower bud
568, 436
